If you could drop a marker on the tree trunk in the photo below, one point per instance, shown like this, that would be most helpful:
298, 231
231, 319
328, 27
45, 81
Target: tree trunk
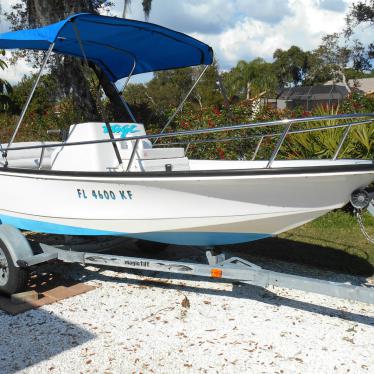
147, 5
344, 79
42, 12
72, 84
70, 70
248, 90
117, 108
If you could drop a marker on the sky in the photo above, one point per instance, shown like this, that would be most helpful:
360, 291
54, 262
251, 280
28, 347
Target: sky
236, 29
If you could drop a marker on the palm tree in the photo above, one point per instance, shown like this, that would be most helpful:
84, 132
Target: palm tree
147, 5
249, 79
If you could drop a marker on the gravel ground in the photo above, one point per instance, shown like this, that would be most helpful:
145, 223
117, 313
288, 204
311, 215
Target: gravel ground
135, 323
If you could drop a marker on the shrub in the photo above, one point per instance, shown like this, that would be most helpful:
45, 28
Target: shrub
238, 144
324, 144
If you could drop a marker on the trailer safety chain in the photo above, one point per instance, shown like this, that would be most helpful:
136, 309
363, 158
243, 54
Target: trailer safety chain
360, 221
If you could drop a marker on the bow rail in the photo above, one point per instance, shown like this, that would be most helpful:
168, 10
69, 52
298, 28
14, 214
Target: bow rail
350, 121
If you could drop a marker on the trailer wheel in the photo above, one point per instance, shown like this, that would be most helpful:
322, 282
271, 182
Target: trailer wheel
12, 279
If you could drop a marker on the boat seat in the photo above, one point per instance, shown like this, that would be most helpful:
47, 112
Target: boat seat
29, 158
155, 159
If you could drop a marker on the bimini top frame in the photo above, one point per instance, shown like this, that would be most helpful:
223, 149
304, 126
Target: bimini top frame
120, 47
114, 43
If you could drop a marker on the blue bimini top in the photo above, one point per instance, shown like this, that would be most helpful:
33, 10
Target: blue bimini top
114, 44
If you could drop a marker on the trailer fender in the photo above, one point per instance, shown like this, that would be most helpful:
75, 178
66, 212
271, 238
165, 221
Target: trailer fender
18, 246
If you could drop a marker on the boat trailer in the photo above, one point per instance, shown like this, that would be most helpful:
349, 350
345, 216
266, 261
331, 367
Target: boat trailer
17, 256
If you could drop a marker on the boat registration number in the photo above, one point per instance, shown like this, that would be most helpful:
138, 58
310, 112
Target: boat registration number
105, 194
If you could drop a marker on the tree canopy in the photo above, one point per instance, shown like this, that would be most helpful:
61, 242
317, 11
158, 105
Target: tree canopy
69, 71
249, 79
291, 66
361, 12
5, 88
337, 58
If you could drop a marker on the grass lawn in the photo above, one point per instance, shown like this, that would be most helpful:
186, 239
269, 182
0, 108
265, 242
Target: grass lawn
333, 242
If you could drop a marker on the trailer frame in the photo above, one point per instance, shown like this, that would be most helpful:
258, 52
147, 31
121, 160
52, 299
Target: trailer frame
234, 269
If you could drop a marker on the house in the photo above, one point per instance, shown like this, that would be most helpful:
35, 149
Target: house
310, 97
364, 85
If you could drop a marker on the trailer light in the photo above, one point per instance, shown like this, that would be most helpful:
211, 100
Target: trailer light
216, 273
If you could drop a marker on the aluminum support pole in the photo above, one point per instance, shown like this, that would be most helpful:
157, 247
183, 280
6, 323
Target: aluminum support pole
24, 110
121, 92
257, 148
344, 137
107, 124
279, 144
132, 157
183, 101
125, 104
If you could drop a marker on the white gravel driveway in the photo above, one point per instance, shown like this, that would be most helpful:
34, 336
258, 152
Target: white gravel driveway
134, 323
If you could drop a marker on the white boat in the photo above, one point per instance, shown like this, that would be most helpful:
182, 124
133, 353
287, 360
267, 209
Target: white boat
111, 179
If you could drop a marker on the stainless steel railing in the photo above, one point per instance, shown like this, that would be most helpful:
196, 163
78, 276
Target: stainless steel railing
351, 120
261, 137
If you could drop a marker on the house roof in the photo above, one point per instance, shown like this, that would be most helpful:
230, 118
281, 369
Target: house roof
366, 85
320, 92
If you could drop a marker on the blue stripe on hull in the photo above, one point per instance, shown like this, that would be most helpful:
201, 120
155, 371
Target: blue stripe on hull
200, 238
52, 228
173, 237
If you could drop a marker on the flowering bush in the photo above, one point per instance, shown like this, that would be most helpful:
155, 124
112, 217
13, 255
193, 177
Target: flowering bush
241, 144
213, 145
228, 144
35, 124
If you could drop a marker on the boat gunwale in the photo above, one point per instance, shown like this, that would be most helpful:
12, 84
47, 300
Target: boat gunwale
320, 169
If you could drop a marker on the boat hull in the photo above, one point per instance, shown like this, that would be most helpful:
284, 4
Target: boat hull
187, 208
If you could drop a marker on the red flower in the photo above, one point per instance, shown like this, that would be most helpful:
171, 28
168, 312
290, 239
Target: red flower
210, 123
185, 125
216, 111
221, 153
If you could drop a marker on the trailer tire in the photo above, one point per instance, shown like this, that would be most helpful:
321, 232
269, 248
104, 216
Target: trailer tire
12, 279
